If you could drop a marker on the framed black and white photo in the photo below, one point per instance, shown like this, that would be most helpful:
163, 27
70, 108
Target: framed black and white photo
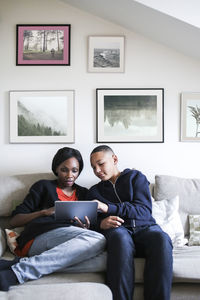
42, 116
130, 115
106, 54
190, 117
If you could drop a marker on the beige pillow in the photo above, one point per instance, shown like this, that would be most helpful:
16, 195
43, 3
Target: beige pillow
194, 222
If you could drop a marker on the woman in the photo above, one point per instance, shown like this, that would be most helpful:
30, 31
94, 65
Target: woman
51, 245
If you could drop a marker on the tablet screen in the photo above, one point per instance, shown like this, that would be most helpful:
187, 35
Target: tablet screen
67, 210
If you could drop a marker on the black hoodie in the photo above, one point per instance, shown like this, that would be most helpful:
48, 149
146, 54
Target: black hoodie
129, 198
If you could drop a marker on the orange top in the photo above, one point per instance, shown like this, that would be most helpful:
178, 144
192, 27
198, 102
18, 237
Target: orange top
24, 251
62, 197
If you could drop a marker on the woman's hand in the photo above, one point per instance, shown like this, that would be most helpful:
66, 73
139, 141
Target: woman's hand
23, 219
111, 222
101, 206
48, 211
81, 224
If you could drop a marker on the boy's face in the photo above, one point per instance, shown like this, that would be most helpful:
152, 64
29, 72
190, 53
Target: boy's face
104, 165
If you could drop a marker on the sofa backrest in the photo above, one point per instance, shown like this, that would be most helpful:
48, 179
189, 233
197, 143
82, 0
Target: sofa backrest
188, 190
13, 190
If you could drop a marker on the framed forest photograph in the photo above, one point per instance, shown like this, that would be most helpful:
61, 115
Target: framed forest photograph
43, 45
42, 116
130, 115
190, 117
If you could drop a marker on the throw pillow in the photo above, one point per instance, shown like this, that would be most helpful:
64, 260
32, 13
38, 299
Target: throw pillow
194, 221
167, 216
11, 236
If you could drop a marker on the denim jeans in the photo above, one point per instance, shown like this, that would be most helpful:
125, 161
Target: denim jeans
59, 249
150, 242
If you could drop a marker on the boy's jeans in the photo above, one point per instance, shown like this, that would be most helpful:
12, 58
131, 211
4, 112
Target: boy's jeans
59, 249
123, 244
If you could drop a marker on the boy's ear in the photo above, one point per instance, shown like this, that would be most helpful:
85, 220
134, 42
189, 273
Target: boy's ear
115, 159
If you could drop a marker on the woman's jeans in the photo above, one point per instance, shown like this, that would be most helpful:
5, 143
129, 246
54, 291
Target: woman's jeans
59, 249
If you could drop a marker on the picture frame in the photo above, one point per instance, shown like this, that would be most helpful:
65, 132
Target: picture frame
43, 45
42, 116
190, 117
106, 54
130, 115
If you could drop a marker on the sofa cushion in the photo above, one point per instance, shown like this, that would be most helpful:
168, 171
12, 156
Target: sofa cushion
167, 187
186, 264
194, 221
70, 291
186, 268
15, 188
166, 214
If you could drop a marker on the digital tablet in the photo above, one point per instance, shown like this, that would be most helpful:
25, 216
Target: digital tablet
67, 210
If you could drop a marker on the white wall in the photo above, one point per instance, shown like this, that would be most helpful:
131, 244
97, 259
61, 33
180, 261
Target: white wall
147, 65
187, 11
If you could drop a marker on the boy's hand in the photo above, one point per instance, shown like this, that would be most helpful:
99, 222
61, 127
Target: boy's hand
111, 222
101, 206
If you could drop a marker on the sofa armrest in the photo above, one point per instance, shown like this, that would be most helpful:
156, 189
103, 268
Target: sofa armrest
2, 242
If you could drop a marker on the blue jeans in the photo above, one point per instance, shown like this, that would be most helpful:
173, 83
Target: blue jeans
123, 244
59, 249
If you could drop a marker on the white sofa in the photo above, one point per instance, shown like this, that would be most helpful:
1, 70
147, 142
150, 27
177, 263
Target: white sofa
89, 282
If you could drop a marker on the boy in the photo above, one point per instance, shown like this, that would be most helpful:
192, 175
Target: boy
126, 221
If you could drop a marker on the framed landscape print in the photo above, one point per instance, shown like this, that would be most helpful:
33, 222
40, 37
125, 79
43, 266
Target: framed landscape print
43, 45
190, 117
42, 116
130, 115
106, 54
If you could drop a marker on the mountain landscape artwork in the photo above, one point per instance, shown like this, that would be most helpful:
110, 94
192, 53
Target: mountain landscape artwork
130, 115
42, 116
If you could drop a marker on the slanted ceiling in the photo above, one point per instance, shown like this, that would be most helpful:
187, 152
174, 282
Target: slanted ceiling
147, 21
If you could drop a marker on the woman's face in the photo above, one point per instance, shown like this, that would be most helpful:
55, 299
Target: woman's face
67, 172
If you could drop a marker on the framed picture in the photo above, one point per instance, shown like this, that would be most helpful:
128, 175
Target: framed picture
190, 117
130, 115
106, 54
42, 116
43, 45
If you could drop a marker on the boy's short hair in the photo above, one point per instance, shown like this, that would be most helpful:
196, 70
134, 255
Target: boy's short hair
102, 148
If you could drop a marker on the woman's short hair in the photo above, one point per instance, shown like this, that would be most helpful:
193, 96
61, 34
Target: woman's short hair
64, 154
